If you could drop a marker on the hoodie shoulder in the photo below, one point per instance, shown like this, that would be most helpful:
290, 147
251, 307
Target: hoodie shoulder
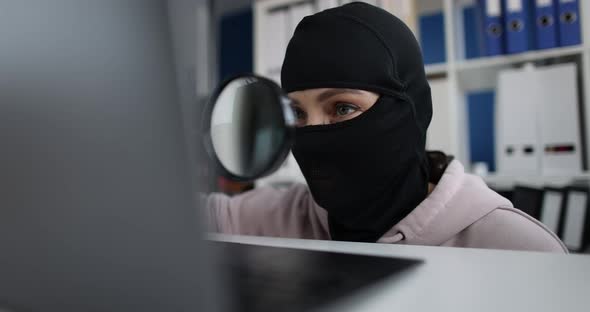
462, 211
458, 201
511, 229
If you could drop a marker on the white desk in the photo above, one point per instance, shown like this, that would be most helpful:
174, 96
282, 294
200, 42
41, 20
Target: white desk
461, 279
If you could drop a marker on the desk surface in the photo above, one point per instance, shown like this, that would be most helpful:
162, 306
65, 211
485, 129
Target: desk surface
461, 279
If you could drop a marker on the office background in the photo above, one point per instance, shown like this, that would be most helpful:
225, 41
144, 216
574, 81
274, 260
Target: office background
510, 81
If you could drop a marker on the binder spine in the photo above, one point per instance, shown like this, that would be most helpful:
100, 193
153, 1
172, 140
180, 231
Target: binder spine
519, 27
492, 24
546, 24
569, 23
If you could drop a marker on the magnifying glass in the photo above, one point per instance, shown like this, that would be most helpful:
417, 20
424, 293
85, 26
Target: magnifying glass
248, 127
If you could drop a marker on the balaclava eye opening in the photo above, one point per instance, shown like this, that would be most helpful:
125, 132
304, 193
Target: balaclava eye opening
371, 171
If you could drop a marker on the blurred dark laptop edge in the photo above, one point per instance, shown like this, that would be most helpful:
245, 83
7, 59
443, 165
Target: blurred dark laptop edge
96, 210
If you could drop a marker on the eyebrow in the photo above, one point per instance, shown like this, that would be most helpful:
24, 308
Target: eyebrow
294, 101
332, 92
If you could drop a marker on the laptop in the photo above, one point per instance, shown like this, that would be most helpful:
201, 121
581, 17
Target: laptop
96, 194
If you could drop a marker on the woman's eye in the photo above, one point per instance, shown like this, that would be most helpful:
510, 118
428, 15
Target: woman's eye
299, 113
343, 109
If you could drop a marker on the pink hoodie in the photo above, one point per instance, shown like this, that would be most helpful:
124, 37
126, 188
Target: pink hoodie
461, 211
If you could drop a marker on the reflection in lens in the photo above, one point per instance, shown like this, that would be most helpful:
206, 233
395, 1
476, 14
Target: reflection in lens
246, 126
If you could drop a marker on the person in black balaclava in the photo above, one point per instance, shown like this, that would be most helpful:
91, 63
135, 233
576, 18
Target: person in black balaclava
356, 77
370, 171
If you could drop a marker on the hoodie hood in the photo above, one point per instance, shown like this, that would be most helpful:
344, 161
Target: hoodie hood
460, 212
448, 210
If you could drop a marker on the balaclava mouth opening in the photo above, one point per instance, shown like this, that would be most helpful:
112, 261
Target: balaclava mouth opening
371, 171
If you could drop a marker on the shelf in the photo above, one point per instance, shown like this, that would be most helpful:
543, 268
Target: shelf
436, 69
505, 60
482, 73
508, 182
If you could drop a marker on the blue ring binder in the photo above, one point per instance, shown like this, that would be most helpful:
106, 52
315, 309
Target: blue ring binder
569, 23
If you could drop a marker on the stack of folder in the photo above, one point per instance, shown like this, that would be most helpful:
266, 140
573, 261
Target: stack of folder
516, 26
564, 211
432, 37
480, 125
537, 121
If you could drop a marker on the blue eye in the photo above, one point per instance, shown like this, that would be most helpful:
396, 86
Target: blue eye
300, 114
343, 109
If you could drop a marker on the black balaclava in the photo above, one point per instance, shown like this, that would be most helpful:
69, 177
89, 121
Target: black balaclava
371, 171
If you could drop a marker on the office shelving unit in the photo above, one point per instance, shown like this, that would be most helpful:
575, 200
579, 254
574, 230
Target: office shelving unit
467, 75
462, 75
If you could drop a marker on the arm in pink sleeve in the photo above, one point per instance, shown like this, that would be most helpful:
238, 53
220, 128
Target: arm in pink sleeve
267, 211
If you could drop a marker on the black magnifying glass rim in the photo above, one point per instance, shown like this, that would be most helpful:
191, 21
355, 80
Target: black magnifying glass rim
288, 131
